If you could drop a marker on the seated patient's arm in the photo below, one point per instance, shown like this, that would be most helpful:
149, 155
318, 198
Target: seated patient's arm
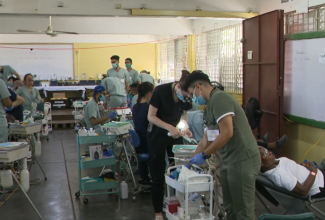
303, 189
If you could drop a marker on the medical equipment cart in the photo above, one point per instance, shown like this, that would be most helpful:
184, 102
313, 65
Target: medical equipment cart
48, 115
189, 188
19, 152
111, 161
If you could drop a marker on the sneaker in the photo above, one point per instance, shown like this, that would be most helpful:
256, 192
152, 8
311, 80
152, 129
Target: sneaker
159, 217
280, 143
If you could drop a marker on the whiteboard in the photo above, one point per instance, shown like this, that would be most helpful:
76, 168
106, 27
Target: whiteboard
46, 61
304, 79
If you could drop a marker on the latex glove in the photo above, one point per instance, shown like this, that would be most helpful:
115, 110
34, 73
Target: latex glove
9, 109
197, 159
111, 115
188, 166
175, 132
188, 133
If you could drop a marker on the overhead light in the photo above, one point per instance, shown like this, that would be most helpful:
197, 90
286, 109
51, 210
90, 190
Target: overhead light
180, 17
192, 18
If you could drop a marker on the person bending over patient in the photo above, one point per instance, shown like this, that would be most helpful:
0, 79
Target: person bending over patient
303, 179
139, 115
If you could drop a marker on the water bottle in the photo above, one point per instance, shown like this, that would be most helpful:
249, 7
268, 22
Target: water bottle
124, 190
24, 176
6, 179
38, 148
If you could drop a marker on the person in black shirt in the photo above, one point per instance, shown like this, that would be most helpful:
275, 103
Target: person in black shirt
140, 120
17, 111
167, 106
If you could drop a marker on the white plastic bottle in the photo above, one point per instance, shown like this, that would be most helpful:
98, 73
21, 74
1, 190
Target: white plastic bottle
6, 179
38, 148
124, 190
24, 176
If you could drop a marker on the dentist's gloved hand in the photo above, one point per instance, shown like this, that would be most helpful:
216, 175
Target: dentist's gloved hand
9, 109
197, 159
187, 165
111, 115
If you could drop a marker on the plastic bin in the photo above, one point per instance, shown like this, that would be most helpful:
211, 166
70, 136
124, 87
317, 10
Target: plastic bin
171, 204
184, 152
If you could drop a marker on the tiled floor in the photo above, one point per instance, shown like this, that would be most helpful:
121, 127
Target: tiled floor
55, 197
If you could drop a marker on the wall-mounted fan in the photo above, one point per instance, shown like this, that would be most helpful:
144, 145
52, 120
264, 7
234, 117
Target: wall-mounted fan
254, 114
50, 31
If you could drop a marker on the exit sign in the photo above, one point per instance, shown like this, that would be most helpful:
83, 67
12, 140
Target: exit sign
284, 1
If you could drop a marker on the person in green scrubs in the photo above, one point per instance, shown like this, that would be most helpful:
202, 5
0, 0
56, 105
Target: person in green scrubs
92, 116
229, 133
116, 91
6, 71
133, 73
29, 93
5, 102
146, 77
119, 72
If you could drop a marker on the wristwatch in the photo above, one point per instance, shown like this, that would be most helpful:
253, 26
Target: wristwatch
205, 156
313, 173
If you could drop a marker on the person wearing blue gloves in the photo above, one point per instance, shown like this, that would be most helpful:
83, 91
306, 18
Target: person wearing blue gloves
229, 133
5, 102
92, 116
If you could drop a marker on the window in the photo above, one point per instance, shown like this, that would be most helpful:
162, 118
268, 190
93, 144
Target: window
313, 20
180, 57
219, 54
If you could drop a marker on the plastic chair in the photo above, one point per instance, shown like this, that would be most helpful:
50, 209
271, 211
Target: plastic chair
91, 82
305, 216
141, 157
83, 82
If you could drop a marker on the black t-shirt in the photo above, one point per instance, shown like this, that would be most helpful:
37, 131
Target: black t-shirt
169, 111
17, 112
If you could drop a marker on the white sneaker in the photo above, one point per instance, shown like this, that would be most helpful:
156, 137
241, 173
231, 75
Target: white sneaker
159, 218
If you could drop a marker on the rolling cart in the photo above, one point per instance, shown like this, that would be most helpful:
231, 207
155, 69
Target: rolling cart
48, 115
90, 186
189, 188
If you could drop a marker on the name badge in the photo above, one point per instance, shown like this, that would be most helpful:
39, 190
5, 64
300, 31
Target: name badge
212, 134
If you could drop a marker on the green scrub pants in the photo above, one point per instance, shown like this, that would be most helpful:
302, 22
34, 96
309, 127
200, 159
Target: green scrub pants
3, 134
238, 187
117, 101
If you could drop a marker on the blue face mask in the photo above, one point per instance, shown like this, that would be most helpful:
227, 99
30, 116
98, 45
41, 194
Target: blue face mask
199, 100
128, 65
180, 96
102, 98
114, 65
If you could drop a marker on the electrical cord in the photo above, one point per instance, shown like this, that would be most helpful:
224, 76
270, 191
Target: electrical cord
313, 146
288, 119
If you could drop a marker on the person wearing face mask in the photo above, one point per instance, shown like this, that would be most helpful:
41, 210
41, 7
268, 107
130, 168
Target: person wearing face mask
119, 72
92, 116
6, 71
167, 107
116, 91
133, 73
229, 133
11, 81
146, 77
5, 105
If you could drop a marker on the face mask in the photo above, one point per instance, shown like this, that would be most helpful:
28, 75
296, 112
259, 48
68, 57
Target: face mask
11, 84
128, 65
180, 96
102, 97
114, 65
199, 100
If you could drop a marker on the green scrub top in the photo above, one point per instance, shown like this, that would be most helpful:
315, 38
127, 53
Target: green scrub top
134, 76
4, 93
122, 74
29, 97
6, 73
114, 86
243, 143
147, 78
91, 111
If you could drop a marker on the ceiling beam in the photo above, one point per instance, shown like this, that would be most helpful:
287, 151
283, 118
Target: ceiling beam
214, 14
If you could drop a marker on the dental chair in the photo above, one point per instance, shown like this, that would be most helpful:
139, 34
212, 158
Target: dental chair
141, 157
291, 202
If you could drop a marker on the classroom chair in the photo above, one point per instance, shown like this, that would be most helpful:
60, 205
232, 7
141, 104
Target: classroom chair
83, 82
91, 82
291, 202
304, 216
54, 83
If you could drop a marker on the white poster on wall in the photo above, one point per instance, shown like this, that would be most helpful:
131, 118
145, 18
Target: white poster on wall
302, 6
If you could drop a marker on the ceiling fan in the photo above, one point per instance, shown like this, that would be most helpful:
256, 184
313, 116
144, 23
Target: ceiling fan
49, 30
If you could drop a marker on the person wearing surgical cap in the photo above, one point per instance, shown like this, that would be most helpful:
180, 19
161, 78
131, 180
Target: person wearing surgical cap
92, 116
